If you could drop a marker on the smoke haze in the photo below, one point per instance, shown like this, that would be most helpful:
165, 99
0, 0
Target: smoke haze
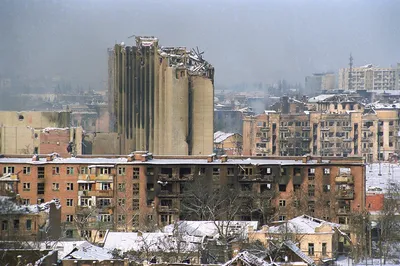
246, 41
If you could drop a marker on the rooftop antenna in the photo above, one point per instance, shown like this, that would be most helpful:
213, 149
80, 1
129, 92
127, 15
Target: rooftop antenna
350, 72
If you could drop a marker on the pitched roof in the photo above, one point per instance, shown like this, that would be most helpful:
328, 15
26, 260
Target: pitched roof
87, 251
292, 246
220, 136
303, 224
248, 259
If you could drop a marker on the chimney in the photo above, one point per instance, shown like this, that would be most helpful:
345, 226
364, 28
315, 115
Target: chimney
304, 159
224, 158
139, 157
131, 157
49, 157
319, 159
211, 158
35, 158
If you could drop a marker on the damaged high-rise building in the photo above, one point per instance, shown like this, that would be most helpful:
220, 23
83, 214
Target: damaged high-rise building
161, 98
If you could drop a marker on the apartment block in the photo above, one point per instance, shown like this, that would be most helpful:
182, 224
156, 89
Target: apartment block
133, 192
319, 82
333, 127
370, 78
161, 98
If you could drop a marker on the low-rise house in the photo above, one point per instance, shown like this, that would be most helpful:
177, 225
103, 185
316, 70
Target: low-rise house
227, 143
315, 238
29, 222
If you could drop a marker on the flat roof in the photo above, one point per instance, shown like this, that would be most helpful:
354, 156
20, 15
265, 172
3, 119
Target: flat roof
108, 162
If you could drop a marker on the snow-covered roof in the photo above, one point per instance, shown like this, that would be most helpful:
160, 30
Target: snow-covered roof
8, 206
303, 224
247, 259
292, 246
380, 106
210, 228
320, 98
63, 247
220, 136
378, 177
155, 242
162, 161
87, 251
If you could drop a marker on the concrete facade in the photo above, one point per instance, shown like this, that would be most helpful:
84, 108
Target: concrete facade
370, 78
161, 98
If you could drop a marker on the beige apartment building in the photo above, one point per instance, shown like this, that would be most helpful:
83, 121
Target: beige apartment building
370, 78
161, 98
332, 129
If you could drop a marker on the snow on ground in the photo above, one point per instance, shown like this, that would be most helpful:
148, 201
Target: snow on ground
345, 261
380, 175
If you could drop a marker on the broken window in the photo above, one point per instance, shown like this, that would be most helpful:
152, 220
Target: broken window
282, 203
136, 172
40, 188
27, 170
282, 188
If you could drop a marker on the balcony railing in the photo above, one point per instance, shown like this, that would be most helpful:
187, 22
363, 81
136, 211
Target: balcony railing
264, 129
345, 194
344, 211
346, 128
349, 179
306, 128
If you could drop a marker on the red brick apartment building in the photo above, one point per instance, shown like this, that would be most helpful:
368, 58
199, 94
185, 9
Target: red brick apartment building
130, 192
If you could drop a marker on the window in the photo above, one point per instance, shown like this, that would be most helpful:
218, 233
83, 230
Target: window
26, 201
136, 172
8, 170
4, 225
40, 188
27, 170
121, 202
231, 171
135, 220
215, 171
121, 187
56, 170
282, 188
311, 171
282, 203
135, 188
390, 144
70, 218
105, 217
326, 188
121, 218
40, 172
311, 249
70, 202
16, 224
268, 171
104, 202
121, 170
327, 171
70, 170
104, 171
135, 204
150, 171
86, 202
69, 233
29, 225
83, 170
55, 186
296, 171
26, 186
105, 186
70, 186
282, 217
86, 234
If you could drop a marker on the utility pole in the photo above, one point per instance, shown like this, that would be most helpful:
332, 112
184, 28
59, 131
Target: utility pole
350, 72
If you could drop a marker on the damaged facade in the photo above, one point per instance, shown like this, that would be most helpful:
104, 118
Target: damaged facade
132, 192
333, 125
161, 98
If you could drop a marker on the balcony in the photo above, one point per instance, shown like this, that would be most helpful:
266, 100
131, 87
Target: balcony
306, 139
168, 194
260, 177
306, 128
264, 129
348, 140
93, 177
265, 139
346, 128
168, 177
345, 179
345, 194
345, 227
325, 128
167, 209
283, 128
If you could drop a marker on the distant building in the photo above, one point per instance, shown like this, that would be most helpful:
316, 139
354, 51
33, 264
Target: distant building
161, 98
21, 222
370, 78
227, 143
228, 121
319, 82
335, 125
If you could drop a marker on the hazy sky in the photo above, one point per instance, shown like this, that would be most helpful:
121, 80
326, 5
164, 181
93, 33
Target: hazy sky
246, 41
